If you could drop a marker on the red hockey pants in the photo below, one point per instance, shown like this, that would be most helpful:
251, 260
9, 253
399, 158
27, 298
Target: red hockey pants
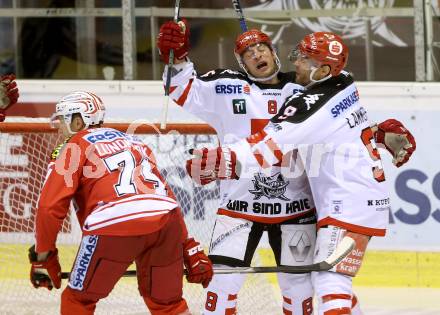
102, 260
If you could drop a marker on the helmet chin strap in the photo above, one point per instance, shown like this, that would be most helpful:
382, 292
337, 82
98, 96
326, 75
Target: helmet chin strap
313, 81
270, 77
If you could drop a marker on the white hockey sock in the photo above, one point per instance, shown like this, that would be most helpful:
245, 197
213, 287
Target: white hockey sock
221, 294
297, 293
334, 292
355, 306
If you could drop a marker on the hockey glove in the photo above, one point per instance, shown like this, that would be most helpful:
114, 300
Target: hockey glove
211, 164
8, 93
397, 140
197, 264
173, 36
45, 273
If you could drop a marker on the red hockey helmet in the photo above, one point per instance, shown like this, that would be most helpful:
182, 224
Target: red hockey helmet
249, 38
325, 48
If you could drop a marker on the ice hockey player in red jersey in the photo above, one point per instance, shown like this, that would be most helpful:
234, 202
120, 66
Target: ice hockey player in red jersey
8, 94
237, 104
125, 209
330, 131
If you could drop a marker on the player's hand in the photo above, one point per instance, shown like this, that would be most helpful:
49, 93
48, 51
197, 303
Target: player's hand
197, 264
8, 93
397, 140
174, 36
211, 164
45, 273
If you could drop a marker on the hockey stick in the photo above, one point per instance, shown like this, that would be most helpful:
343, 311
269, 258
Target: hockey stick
163, 123
239, 11
344, 248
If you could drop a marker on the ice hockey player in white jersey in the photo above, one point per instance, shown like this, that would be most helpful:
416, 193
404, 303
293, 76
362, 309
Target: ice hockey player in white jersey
238, 104
331, 132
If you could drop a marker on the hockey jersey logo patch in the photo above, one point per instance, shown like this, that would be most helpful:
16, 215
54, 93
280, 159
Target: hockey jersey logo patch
337, 207
301, 246
311, 99
239, 106
247, 89
105, 135
229, 89
345, 104
269, 186
82, 262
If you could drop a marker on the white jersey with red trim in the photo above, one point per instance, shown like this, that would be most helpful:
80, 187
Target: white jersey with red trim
237, 107
114, 185
331, 131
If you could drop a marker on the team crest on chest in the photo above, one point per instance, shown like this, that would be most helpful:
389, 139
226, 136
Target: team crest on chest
269, 186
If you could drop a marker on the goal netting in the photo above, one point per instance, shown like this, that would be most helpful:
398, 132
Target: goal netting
25, 147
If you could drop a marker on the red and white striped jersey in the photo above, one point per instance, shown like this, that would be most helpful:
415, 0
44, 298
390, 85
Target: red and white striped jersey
331, 131
113, 183
236, 107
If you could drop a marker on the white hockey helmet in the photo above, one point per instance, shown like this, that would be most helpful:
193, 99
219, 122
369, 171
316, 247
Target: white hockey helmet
88, 105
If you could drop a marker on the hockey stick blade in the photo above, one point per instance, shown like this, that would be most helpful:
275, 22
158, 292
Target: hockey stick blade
344, 248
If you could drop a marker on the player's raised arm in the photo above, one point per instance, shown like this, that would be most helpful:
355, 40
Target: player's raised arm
199, 94
175, 36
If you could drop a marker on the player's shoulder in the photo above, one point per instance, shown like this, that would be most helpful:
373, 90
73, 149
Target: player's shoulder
303, 104
73, 140
329, 88
223, 74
